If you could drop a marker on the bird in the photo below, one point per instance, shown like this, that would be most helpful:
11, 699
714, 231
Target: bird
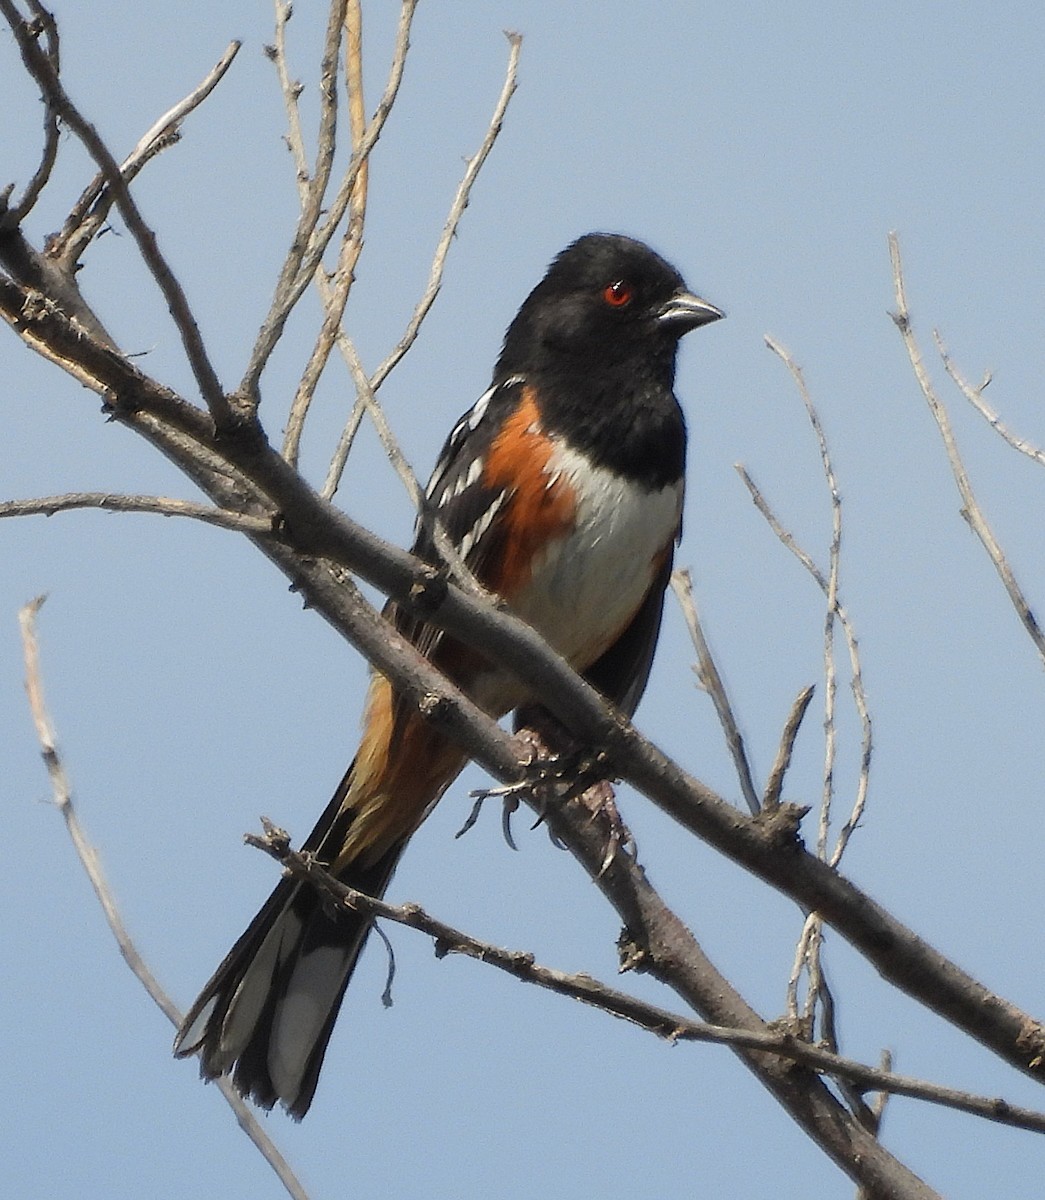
561, 489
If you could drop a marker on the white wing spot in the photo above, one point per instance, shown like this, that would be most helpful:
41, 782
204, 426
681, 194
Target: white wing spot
478, 410
472, 537
474, 471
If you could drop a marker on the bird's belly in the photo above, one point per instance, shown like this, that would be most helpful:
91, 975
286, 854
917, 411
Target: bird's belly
587, 585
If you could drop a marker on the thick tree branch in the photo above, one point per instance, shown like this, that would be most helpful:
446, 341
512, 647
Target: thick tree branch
656, 942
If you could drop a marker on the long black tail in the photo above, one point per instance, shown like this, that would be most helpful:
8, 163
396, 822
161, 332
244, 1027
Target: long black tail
267, 1013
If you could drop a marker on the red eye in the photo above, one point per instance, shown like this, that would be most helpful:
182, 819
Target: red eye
618, 293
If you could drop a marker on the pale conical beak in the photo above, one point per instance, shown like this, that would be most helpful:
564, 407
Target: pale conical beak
685, 311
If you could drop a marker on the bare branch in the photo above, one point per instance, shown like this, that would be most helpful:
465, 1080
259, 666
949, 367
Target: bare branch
711, 681
334, 292
775, 780
657, 942
300, 269
671, 1026
975, 398
92, 865
164, 506
90, 211
830, 673
856, 670
834, 609
460, 203
42, 70
971, 510
48, 29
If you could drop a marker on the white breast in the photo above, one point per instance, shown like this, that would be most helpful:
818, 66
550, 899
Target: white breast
587, 586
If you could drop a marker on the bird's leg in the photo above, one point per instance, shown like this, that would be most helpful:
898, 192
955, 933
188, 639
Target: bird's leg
564, 769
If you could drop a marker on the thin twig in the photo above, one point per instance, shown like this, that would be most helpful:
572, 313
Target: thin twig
975, 397
775, 780
334, 292
435, 277
42, 70
291, 90
835, 610
810, 945
90, 211
335, 297
460, 203
92, 865
669, 1025
971, 510
798, 965
49, 155
711, 681
291, 287
856, 670
164, 506
830, 669
326, 138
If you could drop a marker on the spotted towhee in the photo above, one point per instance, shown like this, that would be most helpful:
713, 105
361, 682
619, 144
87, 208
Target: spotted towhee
562, 492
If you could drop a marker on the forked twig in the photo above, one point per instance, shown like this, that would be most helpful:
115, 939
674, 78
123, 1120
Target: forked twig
90, 211
975, 397
834, 610
856, 672
41, 68
971, 510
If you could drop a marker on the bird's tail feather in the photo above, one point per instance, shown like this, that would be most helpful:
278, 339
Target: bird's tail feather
268, 1011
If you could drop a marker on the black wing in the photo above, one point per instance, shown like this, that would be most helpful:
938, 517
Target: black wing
458, 499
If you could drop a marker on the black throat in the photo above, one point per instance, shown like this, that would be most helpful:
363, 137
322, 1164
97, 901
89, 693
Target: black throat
625, 420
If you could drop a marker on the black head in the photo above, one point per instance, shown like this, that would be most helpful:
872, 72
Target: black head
605, 298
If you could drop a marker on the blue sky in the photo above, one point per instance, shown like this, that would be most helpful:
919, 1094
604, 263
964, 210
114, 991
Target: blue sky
767, 151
